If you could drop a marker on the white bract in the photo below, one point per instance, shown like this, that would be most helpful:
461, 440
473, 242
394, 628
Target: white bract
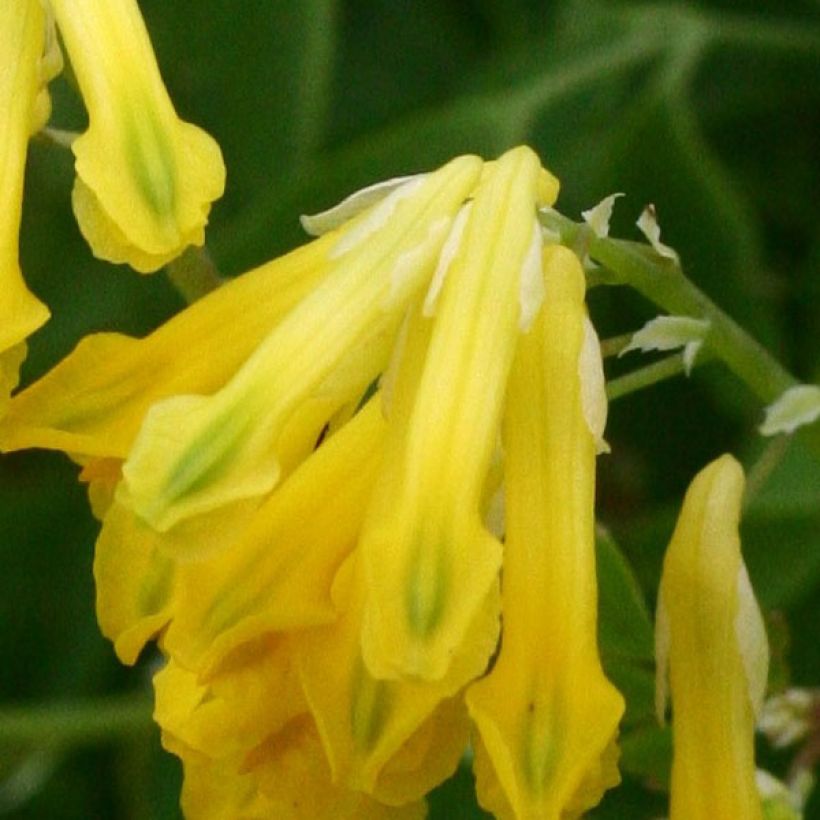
796, 407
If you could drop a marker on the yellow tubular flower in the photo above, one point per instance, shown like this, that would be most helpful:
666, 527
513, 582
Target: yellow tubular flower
94, 401
145, 179
710, 633
431, 565
22, 42
546, 715
395, 740
267, 570
250, 749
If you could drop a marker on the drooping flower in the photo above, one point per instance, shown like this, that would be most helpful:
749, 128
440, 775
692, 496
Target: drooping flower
712, 642
546, 715
25, 66
284, 529
145, 179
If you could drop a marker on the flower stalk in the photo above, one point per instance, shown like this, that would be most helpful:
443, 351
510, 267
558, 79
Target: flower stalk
663, 282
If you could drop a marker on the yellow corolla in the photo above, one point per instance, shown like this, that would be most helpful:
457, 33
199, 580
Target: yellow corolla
145, 179
546, 715
25, 66
710, 635
274, 519
250, 748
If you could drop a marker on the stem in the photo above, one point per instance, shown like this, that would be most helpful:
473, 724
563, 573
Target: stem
615, 344
663, 282
645, 376
765, 465
78, 723
194, 274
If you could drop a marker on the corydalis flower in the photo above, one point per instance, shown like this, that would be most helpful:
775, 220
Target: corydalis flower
546, 715
358, 580
145, 179
26, 64
712, 642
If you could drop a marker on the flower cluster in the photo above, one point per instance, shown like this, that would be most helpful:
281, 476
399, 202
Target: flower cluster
145, 179
351, 495
320, 559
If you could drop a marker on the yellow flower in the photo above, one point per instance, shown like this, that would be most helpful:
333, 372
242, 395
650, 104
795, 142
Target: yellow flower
23, 107
145, 179
710, 635
546, 715
282, 528
249, 746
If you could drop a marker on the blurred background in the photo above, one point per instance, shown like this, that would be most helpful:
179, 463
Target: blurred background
710, 110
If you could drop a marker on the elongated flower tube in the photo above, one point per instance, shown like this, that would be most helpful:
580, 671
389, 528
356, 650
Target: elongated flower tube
431, 564
145, 179
93, 403
710, 635
22, 43
546, 715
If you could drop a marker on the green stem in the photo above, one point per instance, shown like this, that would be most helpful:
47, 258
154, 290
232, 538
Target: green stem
75, 723
645, 376
194, 274
663, 282
615, 344
760, 472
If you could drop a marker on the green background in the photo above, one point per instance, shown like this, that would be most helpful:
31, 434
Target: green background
711, 110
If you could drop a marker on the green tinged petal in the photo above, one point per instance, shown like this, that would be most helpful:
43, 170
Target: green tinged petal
546, 715
145, 179
395, 740
277, 575
429, 561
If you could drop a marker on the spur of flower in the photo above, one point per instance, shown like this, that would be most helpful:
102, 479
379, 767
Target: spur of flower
365, 465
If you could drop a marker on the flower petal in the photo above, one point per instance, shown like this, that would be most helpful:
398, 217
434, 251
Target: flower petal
713, 770
546, 713
277, 575
145, 179
429, 561
22, 30
395, 740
